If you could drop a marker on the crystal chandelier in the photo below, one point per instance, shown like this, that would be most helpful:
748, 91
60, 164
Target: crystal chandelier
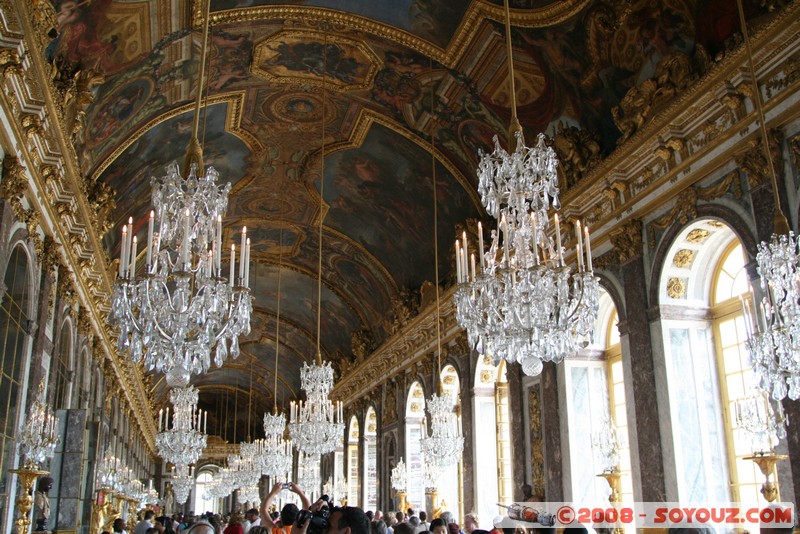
309, 476
400, 476
107, 471
315, 425
182, 483
182, 444
249, 471
521, 303
443, 447
38, 436
174, 312
761, 420
276, 452
606, 446
774, 334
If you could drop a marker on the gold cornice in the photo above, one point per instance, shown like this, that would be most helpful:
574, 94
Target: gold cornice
554, 13
233, 121
50, 145
411, 345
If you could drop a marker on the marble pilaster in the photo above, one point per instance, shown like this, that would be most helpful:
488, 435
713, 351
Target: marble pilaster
551, 434
68, 499
644, 402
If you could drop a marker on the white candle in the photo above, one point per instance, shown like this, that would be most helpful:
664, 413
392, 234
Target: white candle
123, 259
160, 418
480, 244
122, 251
166, 418
535, 239
185, 248
588, 250
464, 240
458, 262
580, 258
558, 240
247, 264
133, 258
218, 244
579, 238
472, 262
233, 263
205, 422
242, 252
150, 224
505, 242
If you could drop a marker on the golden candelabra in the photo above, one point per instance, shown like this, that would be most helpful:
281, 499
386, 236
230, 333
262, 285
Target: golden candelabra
767, 462
432, 495
27, 476
613, 478
402, 496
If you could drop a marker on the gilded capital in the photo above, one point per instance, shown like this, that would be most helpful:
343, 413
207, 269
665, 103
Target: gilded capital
627, 240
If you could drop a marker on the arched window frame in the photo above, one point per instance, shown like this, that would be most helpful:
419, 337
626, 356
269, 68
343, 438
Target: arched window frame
736, 379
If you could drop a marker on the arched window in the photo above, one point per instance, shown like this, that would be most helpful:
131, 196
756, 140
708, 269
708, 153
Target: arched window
14, 310
371, 461
61, 369
415, 412
353, 481
736, 374
616, 391
703, 332
493, 463
203, 502
450, 478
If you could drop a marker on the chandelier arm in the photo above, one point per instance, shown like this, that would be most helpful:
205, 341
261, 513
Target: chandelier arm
780, 223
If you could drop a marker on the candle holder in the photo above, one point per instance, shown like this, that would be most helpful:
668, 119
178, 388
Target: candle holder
27, 477
402, 495
614, 477
767, 462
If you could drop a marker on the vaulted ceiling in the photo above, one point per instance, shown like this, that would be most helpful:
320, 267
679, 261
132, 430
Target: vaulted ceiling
382, 84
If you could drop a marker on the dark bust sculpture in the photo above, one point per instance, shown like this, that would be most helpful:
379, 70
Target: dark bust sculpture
42, 502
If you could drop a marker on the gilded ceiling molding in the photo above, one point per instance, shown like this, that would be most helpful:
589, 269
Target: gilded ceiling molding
554, 13
411, 347
46, 148
672, 150
233, 126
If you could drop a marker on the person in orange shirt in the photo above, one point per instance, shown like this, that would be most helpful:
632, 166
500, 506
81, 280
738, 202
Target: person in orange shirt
288, 512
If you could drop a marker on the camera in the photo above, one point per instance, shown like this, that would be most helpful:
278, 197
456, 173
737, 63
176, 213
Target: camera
286, 486
317, 521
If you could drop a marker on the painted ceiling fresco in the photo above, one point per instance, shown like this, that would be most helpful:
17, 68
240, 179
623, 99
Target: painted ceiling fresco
382, 85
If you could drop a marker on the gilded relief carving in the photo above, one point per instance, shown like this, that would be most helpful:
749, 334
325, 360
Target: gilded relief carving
578, 152
683, 258
697, 236
755, 165
627, 240
676, 288
685, 208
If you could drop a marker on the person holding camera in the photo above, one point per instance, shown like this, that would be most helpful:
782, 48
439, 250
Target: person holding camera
321, 518
288, 512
